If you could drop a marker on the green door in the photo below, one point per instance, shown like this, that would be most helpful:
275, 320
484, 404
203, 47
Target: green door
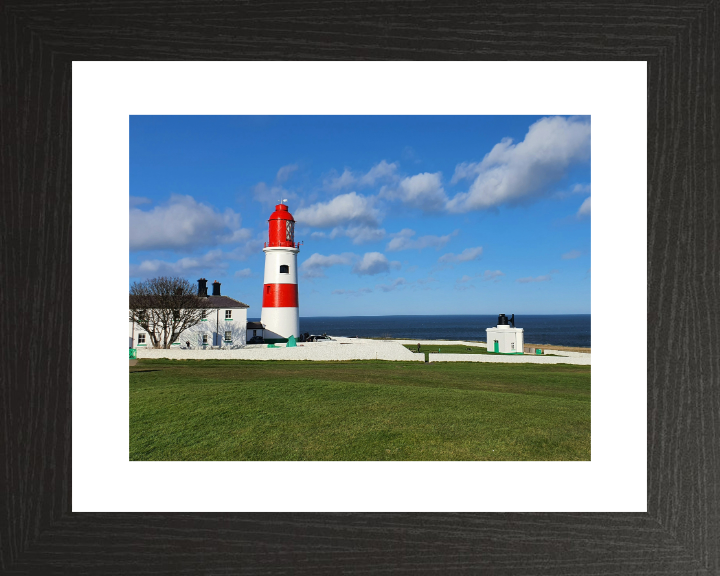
497, 346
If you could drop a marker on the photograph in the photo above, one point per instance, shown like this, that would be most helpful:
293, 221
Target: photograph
373, 288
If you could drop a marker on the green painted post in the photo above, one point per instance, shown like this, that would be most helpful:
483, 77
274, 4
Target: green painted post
133, 353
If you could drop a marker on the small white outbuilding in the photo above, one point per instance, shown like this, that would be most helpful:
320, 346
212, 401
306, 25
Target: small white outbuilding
503, 338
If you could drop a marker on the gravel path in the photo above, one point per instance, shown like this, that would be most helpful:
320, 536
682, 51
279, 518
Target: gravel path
337, 349
440, 343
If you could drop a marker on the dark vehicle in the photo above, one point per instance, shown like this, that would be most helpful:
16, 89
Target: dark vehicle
256, 340
317, 338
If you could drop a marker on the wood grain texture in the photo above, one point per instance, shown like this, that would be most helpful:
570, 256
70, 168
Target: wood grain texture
681, 532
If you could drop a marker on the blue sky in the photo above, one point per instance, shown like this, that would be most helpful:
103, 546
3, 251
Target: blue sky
398, 214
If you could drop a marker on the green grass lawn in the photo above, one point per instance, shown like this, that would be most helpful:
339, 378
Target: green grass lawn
358, 410
449, 349
453, 349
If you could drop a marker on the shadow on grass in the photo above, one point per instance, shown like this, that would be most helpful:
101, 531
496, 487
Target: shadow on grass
136, 371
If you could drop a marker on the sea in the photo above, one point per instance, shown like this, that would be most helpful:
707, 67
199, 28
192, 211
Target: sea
555, 329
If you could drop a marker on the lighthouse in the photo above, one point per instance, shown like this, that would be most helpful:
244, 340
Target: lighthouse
504, 339
280, 315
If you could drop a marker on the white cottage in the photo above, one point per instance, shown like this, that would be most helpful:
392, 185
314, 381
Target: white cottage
224, 324
503, 338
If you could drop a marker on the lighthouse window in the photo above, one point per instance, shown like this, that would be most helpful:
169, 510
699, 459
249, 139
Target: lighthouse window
289, 230
284, 269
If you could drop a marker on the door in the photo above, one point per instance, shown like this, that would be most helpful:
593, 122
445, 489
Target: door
497, 346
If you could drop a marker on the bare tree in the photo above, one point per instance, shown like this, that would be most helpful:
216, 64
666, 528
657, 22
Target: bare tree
166, 306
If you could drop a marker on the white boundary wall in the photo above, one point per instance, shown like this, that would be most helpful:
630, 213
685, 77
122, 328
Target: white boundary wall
339, 349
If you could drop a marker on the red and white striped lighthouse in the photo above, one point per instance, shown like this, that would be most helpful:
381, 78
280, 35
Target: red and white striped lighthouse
280, 314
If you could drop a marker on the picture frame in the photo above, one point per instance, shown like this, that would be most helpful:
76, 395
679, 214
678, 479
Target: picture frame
680, 533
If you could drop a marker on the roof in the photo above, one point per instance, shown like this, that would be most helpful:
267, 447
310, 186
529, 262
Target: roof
255, 326
225, 302
281, 213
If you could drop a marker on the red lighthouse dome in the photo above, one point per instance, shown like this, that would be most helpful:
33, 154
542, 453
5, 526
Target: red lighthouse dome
282, 227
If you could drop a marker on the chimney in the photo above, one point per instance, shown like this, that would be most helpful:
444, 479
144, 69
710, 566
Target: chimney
202, 287
216, 288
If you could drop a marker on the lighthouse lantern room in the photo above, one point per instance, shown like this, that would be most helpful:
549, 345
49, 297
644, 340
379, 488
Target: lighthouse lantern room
280, 314
503, 338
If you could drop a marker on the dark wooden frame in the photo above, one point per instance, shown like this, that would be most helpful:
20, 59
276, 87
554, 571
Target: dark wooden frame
681, 531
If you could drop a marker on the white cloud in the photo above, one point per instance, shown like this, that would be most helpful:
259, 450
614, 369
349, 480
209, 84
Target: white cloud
466, 255
364, 234
358, 234
139, 200
357, 292
373, 263
403, 241
244, 273
513, 173
424, 191
315, 265
464, 283
572, 255
464, 171
584, 208
271, 195
428, 280
382, 171
581, 189
184, 223
492, 275
345, 209
211, 261
392, 286
536, 279
285, 172
345, 180
245, 249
